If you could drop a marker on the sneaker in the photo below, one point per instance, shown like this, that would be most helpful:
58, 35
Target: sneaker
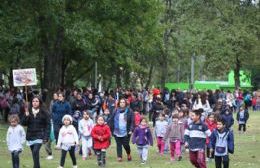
172, 159
50, 157
179, 158
129, 157
143, 162
207, 159
102, 165
59, 167
75, 166
119, 159
83, 158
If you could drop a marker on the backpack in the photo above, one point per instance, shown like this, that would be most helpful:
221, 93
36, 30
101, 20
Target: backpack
248, 100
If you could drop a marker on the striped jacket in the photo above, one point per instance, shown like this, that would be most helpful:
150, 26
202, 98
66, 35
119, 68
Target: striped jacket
195, 135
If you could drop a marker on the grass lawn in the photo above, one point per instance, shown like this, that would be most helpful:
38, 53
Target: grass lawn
246, 148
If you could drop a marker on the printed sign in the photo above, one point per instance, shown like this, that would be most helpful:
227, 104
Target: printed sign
24, 77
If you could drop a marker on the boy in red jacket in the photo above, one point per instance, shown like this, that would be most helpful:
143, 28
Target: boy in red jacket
212, 124
101, 136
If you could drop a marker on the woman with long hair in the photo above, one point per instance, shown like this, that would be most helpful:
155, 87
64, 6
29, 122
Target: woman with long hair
122, 125
37, 121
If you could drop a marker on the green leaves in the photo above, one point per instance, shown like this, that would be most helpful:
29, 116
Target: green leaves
137, 35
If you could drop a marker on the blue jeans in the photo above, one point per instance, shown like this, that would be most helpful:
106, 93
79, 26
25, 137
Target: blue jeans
15, 158
143, 152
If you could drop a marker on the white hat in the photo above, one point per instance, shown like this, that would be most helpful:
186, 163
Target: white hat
67, 117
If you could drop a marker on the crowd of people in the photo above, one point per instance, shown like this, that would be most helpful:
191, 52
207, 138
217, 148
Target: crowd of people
85, 119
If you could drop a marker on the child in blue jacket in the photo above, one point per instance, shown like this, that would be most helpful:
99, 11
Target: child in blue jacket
242, 117
222, 143
227, 116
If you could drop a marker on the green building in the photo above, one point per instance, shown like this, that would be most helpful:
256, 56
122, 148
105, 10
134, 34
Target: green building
245, 83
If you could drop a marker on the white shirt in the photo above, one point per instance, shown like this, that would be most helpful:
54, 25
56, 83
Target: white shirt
85, 127
160, 128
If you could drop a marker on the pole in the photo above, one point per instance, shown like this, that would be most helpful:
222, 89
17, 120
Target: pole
26, 94
192, 71
96, 74
26, 101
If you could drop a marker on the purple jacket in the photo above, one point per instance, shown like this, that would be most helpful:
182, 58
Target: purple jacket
142, 136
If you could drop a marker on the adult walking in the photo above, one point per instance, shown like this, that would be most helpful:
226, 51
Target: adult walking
37, 121
48, 144
122, 125
59, 109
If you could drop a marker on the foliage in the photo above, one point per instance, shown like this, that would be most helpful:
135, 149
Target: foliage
152, 38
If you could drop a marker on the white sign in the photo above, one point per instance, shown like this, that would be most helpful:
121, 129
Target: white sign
24, 77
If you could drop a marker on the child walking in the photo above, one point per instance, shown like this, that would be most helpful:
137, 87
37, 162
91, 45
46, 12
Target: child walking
195, 138
211, 124
242, 117
142, 137
228, 118
85, 127
101, 136
175, 132
160, 130
137, 118
15, 139
67, 141
222, 143
107, 116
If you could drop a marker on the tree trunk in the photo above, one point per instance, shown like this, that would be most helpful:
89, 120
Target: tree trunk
168, 19
41, 71
10, 78
63, 71
52, 62
179, 73
164, 61
164, 74
236, 73
118, 77
149, 76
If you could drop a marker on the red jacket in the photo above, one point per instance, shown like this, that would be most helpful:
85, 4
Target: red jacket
137, 119
253, 101
211, 127
101, 136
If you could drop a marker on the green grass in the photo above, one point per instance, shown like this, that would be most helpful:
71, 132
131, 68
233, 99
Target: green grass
247, 146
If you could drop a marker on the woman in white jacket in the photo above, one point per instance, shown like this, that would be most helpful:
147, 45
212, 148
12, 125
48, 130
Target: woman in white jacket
67, 141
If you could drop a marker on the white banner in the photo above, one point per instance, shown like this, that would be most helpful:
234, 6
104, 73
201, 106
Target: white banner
24, 77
